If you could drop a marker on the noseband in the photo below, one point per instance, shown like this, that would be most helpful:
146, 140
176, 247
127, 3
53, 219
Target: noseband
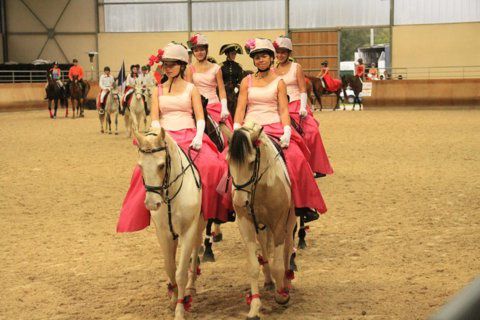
163, 189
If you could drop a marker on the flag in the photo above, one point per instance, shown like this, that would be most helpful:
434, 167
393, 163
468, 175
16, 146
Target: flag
121, 77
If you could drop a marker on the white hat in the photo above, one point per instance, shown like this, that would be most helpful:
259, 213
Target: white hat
175, 52
253, 46
283, 43
197, 39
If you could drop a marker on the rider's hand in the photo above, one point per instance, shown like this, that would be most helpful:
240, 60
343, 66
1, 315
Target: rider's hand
285, 138
224, 112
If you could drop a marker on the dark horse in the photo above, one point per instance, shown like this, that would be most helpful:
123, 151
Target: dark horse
55, 94
319, 91
78, 93
356, 85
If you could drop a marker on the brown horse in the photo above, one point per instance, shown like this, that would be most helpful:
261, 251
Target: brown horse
356, 85
319, 91
78, 93
55, 94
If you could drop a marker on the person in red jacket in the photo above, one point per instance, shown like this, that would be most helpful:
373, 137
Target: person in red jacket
77, 70
360, 69
329, 83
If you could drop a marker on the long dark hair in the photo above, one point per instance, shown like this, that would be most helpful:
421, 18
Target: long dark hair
240, 147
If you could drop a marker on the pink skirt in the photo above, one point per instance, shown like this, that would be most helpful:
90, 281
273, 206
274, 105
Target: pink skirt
214, 110
311, 135
212, 166
305, 191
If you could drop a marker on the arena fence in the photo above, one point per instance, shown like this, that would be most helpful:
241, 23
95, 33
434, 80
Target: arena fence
34, 76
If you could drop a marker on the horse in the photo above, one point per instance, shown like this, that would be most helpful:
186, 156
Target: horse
319, 90
78, 93
135, 110
112, 107
262, 200
173, 196
356, 85
55, 94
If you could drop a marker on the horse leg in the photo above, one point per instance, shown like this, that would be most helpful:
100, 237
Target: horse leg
302, 234
208, 255
288, 250
169, 249
217, 233
194, 271
278, 269
247, 231
73, 108
116, 122
101, 117
262, 237
50, 108
188, 239
109, 122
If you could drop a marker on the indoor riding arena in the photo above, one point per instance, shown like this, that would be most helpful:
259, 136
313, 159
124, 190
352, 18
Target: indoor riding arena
401, 237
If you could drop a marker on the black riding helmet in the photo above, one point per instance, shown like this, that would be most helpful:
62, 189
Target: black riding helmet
106, 69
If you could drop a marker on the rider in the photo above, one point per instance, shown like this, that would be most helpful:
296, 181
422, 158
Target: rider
292, 75
77, 70
373, 72
328, 82
207, 77
178, 102
106, 84
148, 81
232, 73
130, 82
360, 69
263, 99
56, 73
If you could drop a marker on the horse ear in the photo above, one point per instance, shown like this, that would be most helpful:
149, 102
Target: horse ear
256, 132
226, 131
140, 138
161, 135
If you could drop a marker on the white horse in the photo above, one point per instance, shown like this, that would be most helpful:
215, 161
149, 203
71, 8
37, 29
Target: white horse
262, 198
135, 111
174, 199
112, 106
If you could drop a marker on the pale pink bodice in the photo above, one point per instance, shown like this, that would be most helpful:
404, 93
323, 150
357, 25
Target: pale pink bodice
176, 111
290, 79
262, 103
206, 83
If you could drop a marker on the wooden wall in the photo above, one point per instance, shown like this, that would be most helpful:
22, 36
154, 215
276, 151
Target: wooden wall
311, 48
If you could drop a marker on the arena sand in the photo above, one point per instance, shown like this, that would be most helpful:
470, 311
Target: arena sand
401, 236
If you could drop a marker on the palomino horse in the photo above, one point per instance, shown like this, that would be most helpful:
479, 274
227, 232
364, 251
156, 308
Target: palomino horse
356, 85
135, 111
174, 197
78, 94
54, 93
112, 107
319, 90
262, 199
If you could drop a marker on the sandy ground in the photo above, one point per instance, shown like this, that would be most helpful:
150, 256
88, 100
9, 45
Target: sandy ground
401, 236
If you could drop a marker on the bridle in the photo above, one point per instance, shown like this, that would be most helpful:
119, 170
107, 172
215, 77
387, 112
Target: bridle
253, 181
164, 189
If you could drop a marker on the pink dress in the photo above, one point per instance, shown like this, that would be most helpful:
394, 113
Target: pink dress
177, 119
206, 83
262, 108
311, 134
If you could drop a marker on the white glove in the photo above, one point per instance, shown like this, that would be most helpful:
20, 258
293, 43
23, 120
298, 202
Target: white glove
285, 138
235, 90
197, 140
155, 124
224, 113
236, 126
303, 105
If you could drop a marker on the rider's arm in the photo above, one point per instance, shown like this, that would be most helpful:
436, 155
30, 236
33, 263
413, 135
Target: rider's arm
283, 104
155, 108
80, 73
221, 84
241, 102
301, 79
197, 105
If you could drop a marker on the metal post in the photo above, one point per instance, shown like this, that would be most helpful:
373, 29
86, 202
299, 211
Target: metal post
392, 22
189, 18
97, 29
287, 17
372, 37
4, 29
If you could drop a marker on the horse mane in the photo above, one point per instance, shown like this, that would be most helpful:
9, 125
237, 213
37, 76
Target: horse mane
240, 147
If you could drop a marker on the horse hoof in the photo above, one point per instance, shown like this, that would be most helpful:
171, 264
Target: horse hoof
302, 244
253, 318
101, 131
116, 133
269, 286
282, 299
208, 255
110, 132
218, 237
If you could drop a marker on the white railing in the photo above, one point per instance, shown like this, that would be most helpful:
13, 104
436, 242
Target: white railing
35, 76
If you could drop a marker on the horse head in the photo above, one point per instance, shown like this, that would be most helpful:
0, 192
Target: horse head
115, 93
153, 160
243, 160
138, 91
